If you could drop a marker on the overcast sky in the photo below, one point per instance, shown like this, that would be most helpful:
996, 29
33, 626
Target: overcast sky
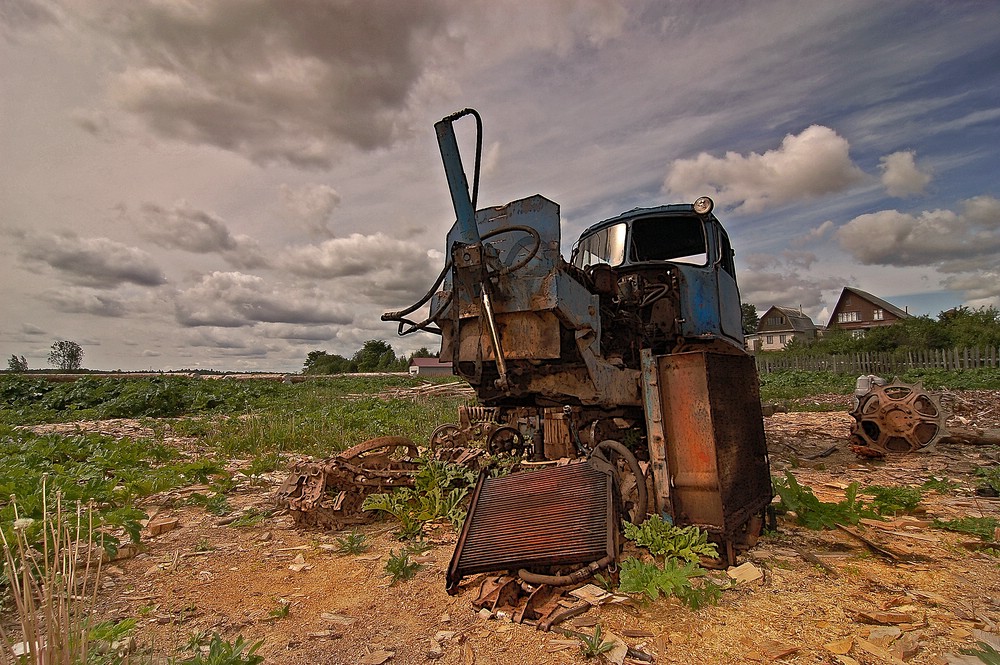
231, 184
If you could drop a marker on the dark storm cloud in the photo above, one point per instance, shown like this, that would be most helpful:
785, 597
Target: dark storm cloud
275, 81
97, 262
85, 301
183, 227
233, 299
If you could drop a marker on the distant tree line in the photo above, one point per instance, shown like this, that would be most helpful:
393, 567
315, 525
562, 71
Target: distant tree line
962, 327
64, 355
374, 356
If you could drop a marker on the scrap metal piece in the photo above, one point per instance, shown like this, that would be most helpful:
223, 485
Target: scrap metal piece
896, 418
562, 516
329, 493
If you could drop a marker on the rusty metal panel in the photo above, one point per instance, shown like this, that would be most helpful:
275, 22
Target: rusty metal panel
556, 437
557, 516
716, 452
523, 335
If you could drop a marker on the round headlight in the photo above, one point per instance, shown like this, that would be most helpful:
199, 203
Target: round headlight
703, 205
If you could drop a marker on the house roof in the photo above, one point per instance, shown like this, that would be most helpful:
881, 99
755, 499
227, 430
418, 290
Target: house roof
797, 321
429, 362
875, 300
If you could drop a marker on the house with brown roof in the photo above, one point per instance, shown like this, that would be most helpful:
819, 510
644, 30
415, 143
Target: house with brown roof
430, 367
780, 325
859, 311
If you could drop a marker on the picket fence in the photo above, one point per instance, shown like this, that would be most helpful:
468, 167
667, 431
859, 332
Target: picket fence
888, 362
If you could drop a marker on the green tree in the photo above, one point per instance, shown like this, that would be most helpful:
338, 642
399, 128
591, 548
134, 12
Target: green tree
17, 364
422, 352
376, 356
968, 327
321, 362
750, 318
66, 355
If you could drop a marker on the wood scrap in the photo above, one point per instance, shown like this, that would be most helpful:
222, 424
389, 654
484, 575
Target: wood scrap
815, 560
875, 549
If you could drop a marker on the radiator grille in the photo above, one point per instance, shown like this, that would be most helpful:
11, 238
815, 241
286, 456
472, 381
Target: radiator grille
557, 516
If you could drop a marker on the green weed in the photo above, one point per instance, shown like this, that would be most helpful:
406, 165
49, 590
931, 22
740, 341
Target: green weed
984, 652
663, 539
894, 500
223, 652
983, 527
594, 645
939, 485
281, 611
815, 514
990, 477
354, 543
251, 517
673, 579
439, 491
399, 566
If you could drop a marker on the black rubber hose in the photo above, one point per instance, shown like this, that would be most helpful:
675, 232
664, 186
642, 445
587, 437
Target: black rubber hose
571, 578
640, 480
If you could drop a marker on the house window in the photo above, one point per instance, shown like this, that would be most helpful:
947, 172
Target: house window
848, 317
782, 339
857, 334
770, 339
878, 315
774, 321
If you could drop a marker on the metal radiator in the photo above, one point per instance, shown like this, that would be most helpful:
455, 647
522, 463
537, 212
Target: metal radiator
562, 516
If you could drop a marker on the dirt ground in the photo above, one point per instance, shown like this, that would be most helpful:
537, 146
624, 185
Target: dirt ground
845, 605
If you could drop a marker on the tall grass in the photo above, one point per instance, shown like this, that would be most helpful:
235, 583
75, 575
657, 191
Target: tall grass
53, 587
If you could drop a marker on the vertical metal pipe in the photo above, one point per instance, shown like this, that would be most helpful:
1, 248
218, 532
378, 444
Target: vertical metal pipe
458, 184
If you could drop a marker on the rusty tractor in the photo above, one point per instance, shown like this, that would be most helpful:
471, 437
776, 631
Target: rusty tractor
620, 377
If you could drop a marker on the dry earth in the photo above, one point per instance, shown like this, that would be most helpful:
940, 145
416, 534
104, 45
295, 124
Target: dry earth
205, 575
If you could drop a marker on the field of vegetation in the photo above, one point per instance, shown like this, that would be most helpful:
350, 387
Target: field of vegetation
261, 425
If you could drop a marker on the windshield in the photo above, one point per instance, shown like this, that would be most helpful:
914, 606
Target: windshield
606, 246
677, 239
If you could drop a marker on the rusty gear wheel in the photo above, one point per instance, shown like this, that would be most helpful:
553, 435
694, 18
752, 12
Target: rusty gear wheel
896, 418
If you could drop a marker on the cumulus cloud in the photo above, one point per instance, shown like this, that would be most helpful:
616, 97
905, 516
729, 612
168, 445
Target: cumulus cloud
311, 206
85, 301
97, 262
808, 165
769, 280
183, 227
234, 299
815, 234
300, 85
965, 244
382, 268
893, 238
272, 83
901, 176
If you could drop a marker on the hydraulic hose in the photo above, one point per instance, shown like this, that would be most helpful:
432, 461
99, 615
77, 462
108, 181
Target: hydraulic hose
642, 501
571, 578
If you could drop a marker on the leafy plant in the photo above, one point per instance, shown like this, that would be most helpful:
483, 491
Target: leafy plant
984, 527
223, 652
439, 491
353, 543
214, 504
984, 652
990, 477
251, 517
663, 539
673, 579
281, 611
595, 645
815, 514
939, 485
399, 566
894, 500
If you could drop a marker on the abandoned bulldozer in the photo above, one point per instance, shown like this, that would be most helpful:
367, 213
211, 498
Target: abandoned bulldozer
619, 378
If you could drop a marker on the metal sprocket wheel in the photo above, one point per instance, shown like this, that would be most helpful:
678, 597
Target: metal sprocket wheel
897, 418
